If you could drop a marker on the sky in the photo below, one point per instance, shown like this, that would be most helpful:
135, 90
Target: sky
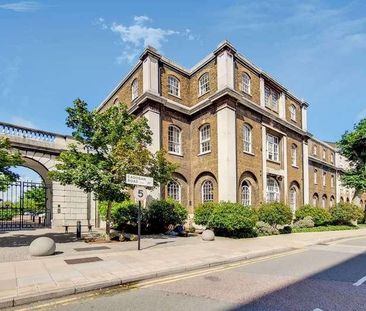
52, 52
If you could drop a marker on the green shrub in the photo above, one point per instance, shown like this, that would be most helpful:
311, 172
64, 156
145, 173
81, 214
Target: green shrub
320, 216
285, 230
162, 213
122, 213
233, 219
203, 213
306, 222
264, 228
275, 213
345, 213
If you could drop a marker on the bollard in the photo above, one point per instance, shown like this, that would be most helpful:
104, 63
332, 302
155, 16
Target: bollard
78, 229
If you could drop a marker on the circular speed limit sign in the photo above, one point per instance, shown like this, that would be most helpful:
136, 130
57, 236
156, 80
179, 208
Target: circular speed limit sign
140, 193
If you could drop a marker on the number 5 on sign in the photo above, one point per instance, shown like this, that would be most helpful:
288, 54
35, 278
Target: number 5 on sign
140, 193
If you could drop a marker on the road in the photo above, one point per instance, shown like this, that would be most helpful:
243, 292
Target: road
327, 277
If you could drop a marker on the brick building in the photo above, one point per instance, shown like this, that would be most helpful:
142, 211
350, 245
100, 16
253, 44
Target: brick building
237, 134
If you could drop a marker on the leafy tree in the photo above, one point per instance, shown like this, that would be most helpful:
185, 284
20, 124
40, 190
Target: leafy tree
110, 145
8, 158
353, 146
35, 199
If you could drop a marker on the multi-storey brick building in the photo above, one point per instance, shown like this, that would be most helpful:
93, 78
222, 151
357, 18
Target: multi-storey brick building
237, 134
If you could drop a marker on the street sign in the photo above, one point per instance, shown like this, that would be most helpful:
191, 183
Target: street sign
139, 180
140, 193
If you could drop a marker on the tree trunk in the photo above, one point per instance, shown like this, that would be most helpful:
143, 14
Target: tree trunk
108, 221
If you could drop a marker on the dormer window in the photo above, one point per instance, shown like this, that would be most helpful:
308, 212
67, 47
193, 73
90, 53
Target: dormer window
203, 84
173, 86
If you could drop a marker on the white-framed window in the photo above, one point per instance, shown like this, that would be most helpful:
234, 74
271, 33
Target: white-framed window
203, 84
315, 177
205, 138
324, 178
315, 199
271, 98
247, 138
324, 153
245, 80
324, 201
174, 190
293, 112
207, 191
332, 181
315, 150
293, 199
272, 148
294, 155
174, 140
173, 86
246, 193
134, 89
273, 190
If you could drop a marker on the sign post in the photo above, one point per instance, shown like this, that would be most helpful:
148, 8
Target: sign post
140, 194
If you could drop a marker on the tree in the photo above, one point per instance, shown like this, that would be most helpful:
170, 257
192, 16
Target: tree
35, 199
8, 158
110, 145
353, 146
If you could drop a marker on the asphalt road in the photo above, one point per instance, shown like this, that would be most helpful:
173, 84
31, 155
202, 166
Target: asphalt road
325, 277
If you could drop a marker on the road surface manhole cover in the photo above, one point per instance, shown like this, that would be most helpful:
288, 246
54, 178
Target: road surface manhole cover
82, 260
95, 248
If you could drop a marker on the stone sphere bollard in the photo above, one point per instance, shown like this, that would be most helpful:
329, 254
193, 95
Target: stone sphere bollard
208, 235
42, 246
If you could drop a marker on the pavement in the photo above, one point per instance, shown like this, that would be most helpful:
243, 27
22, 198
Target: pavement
34, 279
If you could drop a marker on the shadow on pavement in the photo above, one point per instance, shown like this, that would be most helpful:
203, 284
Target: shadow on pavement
19, 239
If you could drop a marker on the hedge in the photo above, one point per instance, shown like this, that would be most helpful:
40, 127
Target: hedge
275, 213
203, 212
345, 213
320, 216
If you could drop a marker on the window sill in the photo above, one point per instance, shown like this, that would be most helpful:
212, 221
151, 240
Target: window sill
200, 95
249, 94
203, 153
249, 153
274, 161
295, 166
175, 154
174, 95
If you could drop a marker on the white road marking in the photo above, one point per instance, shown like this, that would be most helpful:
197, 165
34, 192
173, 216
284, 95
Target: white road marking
360, 281
317, 309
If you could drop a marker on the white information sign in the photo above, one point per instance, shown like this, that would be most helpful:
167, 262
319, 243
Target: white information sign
139, 180
140, 193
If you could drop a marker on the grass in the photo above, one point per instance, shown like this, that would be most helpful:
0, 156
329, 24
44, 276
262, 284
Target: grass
326, 228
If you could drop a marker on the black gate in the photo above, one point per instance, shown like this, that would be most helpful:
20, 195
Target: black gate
23, 204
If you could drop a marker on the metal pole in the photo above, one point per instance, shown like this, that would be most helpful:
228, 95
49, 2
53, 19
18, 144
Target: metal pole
78, 229
139, 227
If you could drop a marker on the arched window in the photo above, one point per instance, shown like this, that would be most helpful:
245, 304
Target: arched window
294, 155
246, 193
247, 138
116, 101
315, 176
293, 199
324, 179
332, 181
315, 150
173, 86
347, 200
203, 84
174, 191
205, 138
273, 190
324, 201
315, 199
341, 199
134, 89
293, 112
331, 201
174, 139
207, 191
246, 83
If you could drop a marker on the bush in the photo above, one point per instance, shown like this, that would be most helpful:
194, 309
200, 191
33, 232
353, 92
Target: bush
306, 222
122, 213
286, 230
264, 228
203, 213
233, 219
345, 213
275, 214
162, 213
319, 215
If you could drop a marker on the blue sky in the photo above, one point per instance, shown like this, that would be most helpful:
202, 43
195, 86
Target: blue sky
52, 52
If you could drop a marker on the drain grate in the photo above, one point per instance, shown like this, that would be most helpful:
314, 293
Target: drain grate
82, 260
94, 248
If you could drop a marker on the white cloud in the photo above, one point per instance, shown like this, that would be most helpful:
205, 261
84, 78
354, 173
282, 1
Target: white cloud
22, 6
137, 36
18, 120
